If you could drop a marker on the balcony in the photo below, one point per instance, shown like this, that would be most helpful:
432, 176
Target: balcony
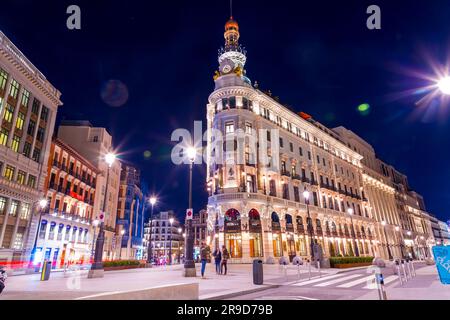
300, 228
305, 179
285, 173
296, 177
334, 233
314, 182
319, 231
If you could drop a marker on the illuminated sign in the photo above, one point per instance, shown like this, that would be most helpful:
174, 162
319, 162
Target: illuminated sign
442, 258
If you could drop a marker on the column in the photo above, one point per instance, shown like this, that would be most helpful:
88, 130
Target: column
5, 221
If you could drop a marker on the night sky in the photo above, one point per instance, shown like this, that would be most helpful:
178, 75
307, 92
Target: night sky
317, 56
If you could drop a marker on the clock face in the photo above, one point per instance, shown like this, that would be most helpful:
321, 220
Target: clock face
226, 66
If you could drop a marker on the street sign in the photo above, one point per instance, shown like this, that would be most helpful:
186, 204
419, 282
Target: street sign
189, 214
442, 258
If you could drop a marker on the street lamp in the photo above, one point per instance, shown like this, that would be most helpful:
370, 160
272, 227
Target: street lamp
309, 224
96, 270
444, 85
179, 247
189, 265
152, 201
42, 204
170, 243
122, 232
350, 212
95, 223
383, 223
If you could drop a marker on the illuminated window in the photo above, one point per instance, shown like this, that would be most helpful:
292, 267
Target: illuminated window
14, 89
4, 136
229, 127
15, 143
13, 208
9, 113
25, 98
18, 241
20, 120
2, 205
3, 79
9, 172
21, 175
25, 211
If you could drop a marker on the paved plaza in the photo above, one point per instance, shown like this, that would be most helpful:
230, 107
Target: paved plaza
283, 283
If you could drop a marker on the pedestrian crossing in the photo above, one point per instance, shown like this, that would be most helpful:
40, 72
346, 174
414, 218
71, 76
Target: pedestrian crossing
345, 281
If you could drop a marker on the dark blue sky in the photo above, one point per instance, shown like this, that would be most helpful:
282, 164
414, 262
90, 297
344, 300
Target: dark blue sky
317, 56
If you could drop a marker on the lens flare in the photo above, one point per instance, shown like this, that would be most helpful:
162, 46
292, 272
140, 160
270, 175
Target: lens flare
444, 85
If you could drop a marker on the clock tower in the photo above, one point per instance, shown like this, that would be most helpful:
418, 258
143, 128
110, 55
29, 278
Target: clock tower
232, 57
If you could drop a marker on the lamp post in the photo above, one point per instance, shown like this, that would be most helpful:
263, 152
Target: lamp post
149, 248
95, 223
350, 212
309, 224
96, 270
42, 204
179, 248
170, 242
383, 223
122, 232
189, 265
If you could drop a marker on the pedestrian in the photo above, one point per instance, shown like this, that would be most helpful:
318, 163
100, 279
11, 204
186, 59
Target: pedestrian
225, 257
205, 252
217, 259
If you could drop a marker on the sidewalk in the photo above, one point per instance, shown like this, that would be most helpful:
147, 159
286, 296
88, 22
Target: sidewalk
425, 286
75, 284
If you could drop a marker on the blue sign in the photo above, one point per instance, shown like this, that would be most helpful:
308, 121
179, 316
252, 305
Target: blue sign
442, 258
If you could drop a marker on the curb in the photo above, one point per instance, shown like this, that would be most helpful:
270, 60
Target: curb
240, 293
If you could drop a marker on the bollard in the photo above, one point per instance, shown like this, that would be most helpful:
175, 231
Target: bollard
380, 285
413, 269
309, 269
397, 263
318, 268
404, 270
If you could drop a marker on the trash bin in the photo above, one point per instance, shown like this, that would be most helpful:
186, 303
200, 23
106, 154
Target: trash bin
258, 277
46, 268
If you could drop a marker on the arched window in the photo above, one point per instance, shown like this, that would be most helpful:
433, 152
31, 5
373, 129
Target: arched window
254, 214
232, 215
299, 220
318, 223
288, 219
275, 217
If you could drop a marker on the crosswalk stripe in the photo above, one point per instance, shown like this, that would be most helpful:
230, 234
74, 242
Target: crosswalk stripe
356, 282
304, 283
373, 285
329, 283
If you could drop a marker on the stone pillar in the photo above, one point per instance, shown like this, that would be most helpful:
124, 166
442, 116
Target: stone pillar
5, 221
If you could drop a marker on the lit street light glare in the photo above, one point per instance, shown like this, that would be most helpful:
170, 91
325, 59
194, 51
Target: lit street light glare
191, 153
152, 200
43, 203
444, 85
110, 158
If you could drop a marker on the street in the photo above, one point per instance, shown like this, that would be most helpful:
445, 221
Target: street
358, 285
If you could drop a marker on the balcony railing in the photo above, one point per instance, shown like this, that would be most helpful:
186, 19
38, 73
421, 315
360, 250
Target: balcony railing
296, 177
285, 173
305, 179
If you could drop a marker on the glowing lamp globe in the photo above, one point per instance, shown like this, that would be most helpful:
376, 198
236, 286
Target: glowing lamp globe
152, 200
110, 158
444, 85
43, 203
191, 153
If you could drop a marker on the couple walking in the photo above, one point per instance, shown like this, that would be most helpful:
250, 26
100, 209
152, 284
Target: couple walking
221, 258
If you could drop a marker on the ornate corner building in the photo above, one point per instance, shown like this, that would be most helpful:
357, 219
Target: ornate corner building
358, 205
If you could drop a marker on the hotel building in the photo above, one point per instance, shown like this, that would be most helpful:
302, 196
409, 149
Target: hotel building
93, 144
257, 208
28, 106
65, 235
